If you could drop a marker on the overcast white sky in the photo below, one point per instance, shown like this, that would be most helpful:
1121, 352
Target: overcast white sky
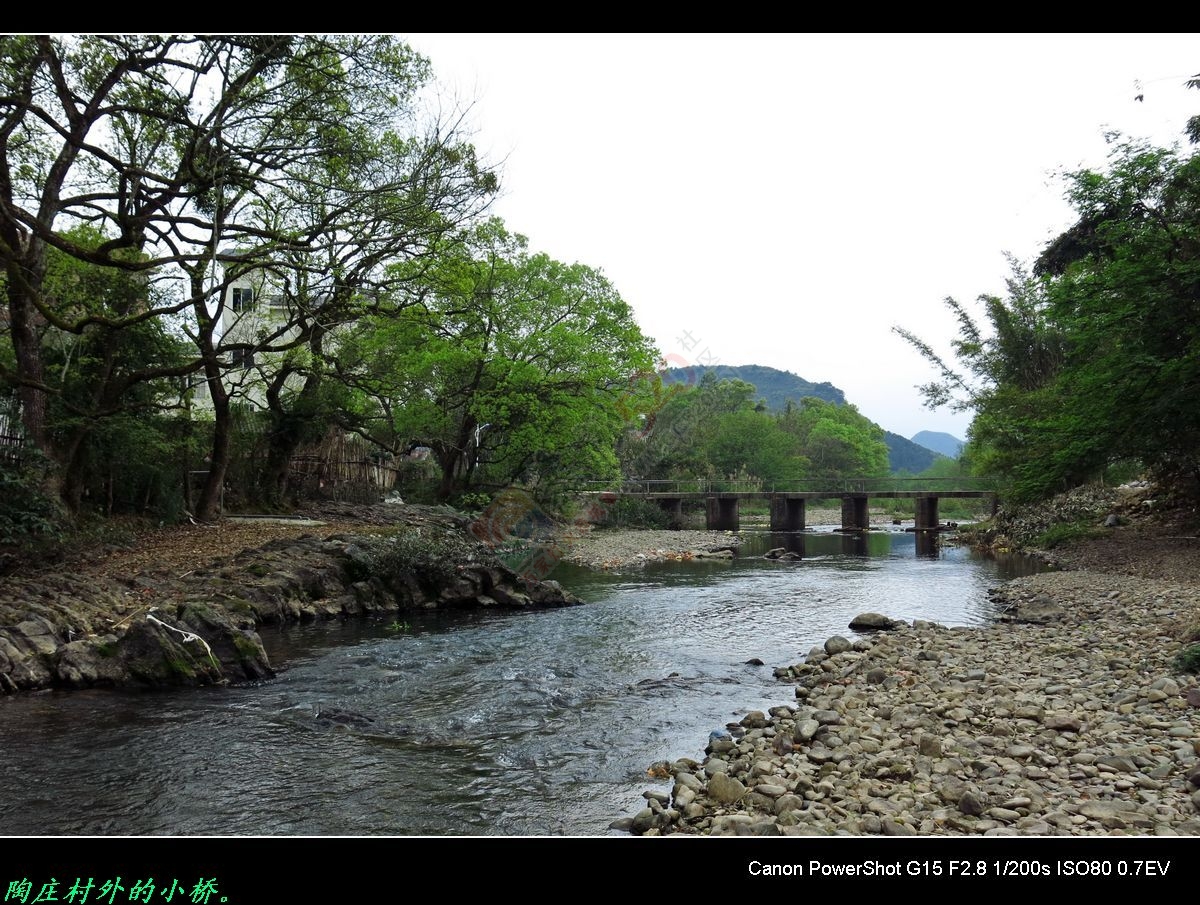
785, 200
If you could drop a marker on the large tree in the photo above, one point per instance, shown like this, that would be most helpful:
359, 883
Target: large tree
1093, 358
202, 156
501, 361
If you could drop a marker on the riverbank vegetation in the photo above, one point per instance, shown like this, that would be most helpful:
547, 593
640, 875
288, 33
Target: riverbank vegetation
1088, 367
243, 271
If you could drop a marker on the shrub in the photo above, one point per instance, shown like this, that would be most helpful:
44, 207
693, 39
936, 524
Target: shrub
1056, 535
27, 515
1188, 659
632, 512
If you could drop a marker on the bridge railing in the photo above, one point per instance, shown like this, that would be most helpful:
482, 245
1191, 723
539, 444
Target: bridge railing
833, 487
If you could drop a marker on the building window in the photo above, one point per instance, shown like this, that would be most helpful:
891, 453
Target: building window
242, 299
243, 358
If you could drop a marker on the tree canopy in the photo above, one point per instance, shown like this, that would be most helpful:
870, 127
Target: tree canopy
1093, 355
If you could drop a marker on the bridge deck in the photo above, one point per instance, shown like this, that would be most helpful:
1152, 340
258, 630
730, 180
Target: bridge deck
798, 495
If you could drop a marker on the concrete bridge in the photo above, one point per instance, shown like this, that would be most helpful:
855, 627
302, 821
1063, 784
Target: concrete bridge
722, 499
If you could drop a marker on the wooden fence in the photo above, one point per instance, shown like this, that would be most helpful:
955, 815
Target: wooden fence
343, 468
11, 441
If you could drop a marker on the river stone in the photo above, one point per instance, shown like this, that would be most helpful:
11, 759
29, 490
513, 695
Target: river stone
1120, 764
805, 730
721, 744
827, 717
715, 765
788, 802
972, 804
877, 676
892, 828
725, 789
872, 622
683, 797
1062, 722
1102, 810
1192, 777
642, 822
1034, 611
1193, 696
755, 719
930, 746
837, 645
770, 790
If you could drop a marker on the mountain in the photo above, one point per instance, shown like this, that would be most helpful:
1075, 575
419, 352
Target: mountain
946, 444
774, 387
904, 455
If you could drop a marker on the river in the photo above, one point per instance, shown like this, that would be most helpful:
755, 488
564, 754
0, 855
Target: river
470, 724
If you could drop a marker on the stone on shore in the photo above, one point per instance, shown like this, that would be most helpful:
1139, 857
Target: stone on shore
873, 622
1076, 726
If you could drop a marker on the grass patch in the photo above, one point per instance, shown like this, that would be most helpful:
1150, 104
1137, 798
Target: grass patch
1188, 659
1065, 533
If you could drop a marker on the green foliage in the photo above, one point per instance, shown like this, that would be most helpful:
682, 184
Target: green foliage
27, 515
1092, 359
431, 555
188, 156
633, 512
1065, 533
836, 440
513, 368
1188, 659
776, 388
905, 455
718, 431
473, 502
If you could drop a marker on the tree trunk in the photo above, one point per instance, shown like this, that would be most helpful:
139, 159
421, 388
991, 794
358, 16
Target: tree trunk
209, 506
288, 429
27, 348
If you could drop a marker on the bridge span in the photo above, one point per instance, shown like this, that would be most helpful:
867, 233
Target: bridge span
788, 504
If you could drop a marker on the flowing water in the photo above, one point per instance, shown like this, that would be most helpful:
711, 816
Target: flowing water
474, 724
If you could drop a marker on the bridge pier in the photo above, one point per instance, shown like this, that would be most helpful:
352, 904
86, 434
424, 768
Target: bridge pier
927, 513
927, 544
721, 513
673, 507
855, 513
786, 514
855, 544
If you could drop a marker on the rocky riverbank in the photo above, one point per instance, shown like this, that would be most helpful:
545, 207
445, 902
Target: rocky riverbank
184, 616
612, 549
1071, 717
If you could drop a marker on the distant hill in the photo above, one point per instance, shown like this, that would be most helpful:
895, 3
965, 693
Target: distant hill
946, 444
904, 455
774, 387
